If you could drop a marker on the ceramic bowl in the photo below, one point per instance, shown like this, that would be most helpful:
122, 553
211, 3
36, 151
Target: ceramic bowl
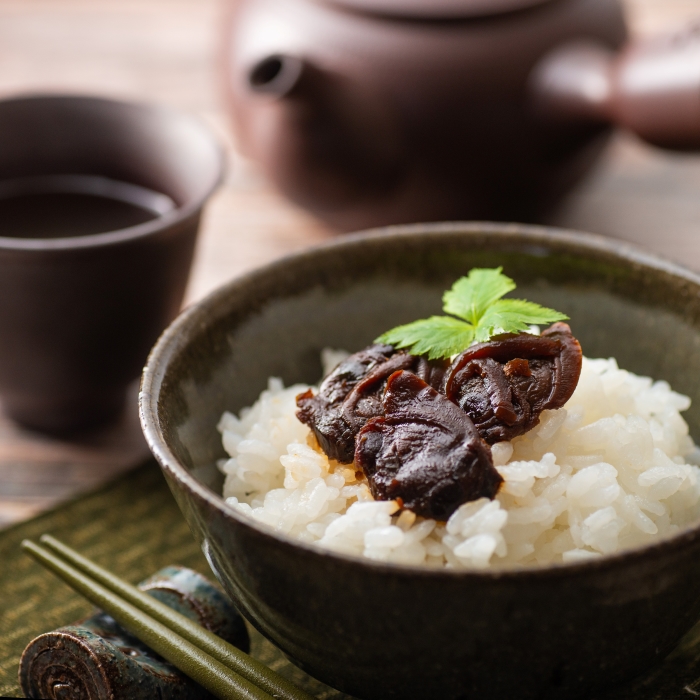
388, 631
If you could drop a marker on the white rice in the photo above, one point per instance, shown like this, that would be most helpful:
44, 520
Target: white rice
613, 469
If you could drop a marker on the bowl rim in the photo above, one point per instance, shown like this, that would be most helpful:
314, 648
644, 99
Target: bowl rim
178, 216
170, 343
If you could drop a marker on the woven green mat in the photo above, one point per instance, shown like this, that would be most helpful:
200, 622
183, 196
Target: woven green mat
134, 527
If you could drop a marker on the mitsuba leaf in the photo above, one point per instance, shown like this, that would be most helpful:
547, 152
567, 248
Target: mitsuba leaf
513, 316
482, 313
437, 336
472, 295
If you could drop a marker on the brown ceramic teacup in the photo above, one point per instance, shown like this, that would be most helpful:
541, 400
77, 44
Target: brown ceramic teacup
100, 203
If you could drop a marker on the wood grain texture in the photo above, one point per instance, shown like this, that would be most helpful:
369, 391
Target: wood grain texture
164, 51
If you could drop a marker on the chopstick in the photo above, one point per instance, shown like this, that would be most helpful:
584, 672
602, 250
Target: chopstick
221, 668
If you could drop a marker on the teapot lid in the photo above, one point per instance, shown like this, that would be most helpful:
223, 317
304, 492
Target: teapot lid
436, 9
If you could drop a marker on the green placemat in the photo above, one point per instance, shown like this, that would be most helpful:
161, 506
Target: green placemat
134, 527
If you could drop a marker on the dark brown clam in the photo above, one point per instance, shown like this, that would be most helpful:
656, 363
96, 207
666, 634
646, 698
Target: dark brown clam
505, 384
352, 394
424, 451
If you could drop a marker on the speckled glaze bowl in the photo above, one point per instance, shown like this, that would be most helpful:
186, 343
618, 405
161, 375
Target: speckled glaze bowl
386, 631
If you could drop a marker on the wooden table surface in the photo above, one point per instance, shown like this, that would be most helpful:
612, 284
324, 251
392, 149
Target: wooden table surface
163, 51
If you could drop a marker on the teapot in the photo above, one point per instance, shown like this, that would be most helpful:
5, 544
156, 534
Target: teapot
374, 112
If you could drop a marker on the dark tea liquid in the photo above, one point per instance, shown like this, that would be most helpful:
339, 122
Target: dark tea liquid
64, 206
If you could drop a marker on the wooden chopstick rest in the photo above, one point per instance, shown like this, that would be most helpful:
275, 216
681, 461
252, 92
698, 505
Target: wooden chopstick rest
218, 679
96, 658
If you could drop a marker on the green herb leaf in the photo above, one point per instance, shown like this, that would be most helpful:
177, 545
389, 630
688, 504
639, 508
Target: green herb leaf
472, 295
513, 316
437, 336
476, 301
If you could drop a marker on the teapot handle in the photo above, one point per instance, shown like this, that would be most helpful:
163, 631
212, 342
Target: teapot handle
652, 87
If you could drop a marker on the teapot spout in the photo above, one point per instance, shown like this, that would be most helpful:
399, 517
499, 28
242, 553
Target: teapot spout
278, 74
652, 87
322, 139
